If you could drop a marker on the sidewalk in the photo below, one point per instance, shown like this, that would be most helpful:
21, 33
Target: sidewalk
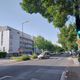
6, 62
73, 71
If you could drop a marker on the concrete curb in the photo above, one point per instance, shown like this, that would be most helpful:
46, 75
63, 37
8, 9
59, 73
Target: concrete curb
63, 76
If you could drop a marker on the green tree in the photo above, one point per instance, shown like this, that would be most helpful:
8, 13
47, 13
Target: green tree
40, 42
58, 48
49, 46
43, 44
67, 37
56, 11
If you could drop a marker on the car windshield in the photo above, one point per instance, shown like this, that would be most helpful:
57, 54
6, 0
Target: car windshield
45, 52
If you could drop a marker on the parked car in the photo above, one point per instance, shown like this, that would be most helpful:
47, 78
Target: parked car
44, 55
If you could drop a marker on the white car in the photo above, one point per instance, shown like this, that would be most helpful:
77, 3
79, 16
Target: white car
44, 55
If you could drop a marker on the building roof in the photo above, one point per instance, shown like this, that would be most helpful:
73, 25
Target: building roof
3, 28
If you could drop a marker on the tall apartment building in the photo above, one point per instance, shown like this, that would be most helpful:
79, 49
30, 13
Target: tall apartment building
12, 41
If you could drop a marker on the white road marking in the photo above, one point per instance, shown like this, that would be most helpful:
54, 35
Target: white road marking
4, 77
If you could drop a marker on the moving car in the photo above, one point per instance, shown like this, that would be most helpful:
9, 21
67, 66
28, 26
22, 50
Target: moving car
44, 55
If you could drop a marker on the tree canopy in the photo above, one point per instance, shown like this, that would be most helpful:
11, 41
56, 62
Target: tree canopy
67, 37
58, 48
43, 44
55, 11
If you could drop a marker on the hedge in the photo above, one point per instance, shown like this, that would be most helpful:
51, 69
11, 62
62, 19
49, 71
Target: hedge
3, 54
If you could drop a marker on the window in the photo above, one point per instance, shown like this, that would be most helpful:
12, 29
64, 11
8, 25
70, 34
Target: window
10, 43
2, 38
10, 49
11, 36
4, 49
18, 33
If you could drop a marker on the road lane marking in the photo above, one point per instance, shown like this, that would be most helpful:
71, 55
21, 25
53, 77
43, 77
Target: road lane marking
4, 77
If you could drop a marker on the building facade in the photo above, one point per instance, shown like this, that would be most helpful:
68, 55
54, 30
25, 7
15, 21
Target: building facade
14, 41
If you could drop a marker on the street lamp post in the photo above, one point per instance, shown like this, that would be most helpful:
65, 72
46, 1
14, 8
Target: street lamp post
22, 26
22, 33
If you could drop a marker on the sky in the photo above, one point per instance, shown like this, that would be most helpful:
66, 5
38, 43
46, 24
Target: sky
11, 14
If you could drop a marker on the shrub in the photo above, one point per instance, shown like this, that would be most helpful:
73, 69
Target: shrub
3, 54
25, 57
16, 58
21, 58
34, 56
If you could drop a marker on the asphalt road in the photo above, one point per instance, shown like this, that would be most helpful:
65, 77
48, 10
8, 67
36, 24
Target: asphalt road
46, 69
